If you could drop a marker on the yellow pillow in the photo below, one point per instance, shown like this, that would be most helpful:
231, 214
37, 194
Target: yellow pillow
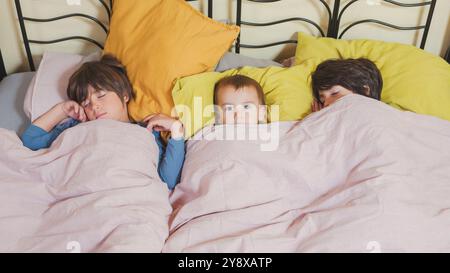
160, 40
289, 88
413, 79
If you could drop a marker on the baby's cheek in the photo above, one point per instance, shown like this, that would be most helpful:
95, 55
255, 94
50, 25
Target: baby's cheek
228, 117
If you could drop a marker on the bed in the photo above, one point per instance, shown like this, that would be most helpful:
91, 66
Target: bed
20, 81
331, 183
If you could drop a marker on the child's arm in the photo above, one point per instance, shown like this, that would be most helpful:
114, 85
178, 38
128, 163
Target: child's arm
172, 156
171, 160
58, 113
42, 132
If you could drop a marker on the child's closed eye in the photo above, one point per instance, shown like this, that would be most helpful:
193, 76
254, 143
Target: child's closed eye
100, 94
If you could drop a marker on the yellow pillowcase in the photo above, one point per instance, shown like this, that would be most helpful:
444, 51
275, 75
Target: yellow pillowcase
160, 40
289, 88
413, 79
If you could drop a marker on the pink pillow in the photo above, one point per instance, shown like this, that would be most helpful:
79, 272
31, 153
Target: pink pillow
49, 84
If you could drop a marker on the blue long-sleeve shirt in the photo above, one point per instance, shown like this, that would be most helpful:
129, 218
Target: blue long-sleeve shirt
171, 157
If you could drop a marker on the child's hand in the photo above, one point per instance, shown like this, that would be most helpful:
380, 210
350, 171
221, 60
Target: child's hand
316, 106
288, 62
161, 122
74, 110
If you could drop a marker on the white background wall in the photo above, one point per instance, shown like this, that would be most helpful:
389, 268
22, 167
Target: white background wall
15, 58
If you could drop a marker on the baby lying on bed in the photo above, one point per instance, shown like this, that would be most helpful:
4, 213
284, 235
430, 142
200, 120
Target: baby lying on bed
101, 90
239, 100
241, 114
334, 79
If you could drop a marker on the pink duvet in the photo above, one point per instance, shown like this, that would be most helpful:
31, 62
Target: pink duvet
358, 176
96, 189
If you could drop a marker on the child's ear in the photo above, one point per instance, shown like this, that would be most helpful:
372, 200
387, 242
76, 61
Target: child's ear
125, 98
367, 90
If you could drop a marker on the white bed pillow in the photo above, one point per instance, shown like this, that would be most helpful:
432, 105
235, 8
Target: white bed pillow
49, 84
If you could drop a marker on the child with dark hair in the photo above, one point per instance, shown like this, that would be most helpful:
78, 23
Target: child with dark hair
334, 79
239, 99
101, 90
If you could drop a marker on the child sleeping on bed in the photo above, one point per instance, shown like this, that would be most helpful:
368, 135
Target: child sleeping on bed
101, 90
240, 100
334, 79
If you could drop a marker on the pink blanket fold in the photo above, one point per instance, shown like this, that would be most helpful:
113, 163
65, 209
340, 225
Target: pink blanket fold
358, 176
96, 189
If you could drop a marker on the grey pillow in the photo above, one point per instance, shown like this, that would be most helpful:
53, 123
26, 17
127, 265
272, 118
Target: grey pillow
233, 60
12, 93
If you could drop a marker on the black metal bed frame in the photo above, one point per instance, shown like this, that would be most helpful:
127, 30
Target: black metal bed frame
335, 15
27, 41
447, 55
2, 67
241, 22
425, 27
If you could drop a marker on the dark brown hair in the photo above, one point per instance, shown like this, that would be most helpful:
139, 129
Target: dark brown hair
107, 74
237, 82
355, 75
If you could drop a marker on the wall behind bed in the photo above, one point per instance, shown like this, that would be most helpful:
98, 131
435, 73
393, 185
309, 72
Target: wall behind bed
224, 10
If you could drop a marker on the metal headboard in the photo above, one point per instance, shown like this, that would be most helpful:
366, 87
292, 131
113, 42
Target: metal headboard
334, 20
335, 14
241, 22
108, 9
426, 27
27, 41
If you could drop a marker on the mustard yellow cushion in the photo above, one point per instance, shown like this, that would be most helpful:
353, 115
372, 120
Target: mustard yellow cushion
287, 88
414, 80
160, 40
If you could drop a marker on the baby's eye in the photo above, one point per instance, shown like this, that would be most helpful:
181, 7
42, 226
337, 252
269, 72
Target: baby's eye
228, 108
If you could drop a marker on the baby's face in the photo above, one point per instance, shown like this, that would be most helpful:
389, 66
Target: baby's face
331, 95
240, 106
